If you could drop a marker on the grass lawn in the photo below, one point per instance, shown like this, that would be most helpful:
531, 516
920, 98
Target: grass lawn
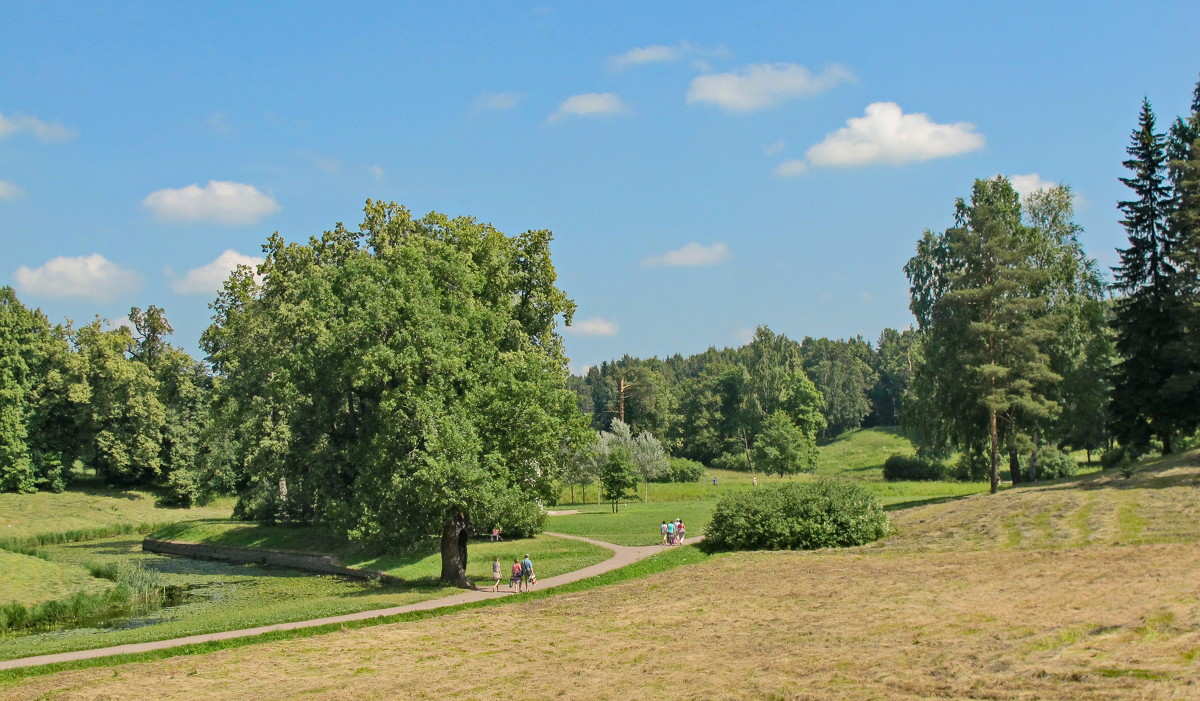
1082, 588
636, 524
224, 596
90, 508
551, 556
30, 580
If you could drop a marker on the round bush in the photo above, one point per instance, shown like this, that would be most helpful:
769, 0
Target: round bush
800, 516
681, 470
912, 468
1055, 463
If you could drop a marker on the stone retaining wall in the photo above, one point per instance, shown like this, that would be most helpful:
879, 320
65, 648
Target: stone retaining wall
308, 562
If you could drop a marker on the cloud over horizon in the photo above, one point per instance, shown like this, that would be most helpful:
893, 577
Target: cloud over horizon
590, 105
595, 326
762, 85
690, 255
662, 53
220, 202
42, 131
208, 279
90, 277
885, 134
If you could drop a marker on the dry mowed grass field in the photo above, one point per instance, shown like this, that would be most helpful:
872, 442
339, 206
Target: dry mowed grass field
1081, 590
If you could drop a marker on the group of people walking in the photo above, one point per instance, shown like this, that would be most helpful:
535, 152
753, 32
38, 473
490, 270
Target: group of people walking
522, 576
673, 532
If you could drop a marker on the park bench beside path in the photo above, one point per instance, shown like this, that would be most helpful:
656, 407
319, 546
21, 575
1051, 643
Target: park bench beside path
622, 555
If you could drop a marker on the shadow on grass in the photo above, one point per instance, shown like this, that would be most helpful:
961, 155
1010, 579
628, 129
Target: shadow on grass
902, 505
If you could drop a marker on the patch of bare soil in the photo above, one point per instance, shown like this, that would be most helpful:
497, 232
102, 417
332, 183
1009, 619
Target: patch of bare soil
1067, 593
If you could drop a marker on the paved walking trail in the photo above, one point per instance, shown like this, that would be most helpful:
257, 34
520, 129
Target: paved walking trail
622, 555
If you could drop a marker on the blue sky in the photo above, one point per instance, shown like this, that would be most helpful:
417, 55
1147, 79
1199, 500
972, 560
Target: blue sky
705, 167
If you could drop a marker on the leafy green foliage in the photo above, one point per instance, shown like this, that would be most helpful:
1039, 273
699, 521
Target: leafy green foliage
682, 470
783, 448
397, 381
1052, 464
898, 468
822, 514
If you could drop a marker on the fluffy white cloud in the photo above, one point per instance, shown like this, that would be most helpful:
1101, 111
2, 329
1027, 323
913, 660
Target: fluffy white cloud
10, 191
92, 277
649, 54
596, 326
1026, 185
497, 101
44, 131
762, 85
208, 279
220, 201
590, 104
887, 135
692, 254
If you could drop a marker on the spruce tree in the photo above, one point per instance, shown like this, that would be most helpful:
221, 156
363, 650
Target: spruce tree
1146, 400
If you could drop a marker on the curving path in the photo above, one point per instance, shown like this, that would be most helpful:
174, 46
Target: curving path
622, 555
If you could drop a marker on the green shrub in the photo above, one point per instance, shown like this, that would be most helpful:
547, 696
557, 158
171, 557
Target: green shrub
911, 468
735, 462
807, 515
972, 466
1053, 463
681, 470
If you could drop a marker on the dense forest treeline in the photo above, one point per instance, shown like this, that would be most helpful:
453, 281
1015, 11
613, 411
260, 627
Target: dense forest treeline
407, 377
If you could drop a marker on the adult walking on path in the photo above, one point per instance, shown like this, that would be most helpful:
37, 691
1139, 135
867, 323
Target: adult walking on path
622, 555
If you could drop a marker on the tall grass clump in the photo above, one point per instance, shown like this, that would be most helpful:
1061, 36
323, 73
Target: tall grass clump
798, 516
78, 535
137, 590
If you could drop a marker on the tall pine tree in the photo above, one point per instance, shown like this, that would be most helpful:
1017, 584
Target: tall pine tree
1147, 400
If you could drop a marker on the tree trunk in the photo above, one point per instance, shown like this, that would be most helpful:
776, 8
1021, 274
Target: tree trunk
1089, 456
454, 552
1014, 465
995, 450
746, 446
1165, 436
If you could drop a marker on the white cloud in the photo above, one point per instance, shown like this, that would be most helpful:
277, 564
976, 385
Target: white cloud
762, 85
887, 135
92, 277
497, 101
791, 168
744, 335
10, 191
208, 279
44, 131
774, 147
661, 53
590, 104
693, 254
596, 326
377, 171
220, 201
649, 54
1026, 185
